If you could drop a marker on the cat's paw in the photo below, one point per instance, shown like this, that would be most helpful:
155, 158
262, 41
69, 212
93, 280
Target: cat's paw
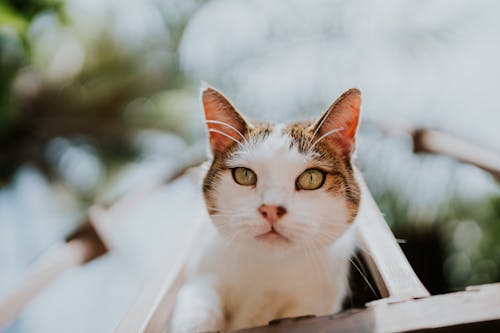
195, 323
198, 309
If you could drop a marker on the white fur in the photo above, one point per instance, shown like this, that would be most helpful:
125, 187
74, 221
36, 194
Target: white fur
237, 281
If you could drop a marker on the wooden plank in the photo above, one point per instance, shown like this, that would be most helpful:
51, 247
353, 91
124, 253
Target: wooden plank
47, 268
152, 309
83, 245
392, 272
473, 308
94, 238
436, 142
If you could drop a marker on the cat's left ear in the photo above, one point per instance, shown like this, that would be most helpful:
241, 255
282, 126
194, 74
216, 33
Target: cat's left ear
339, 123
226, 126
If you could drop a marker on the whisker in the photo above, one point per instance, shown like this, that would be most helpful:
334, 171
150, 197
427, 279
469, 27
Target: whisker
365, 251
325, 117
326, 270
228, 211
314, 265
210, 121
316, 218
335, 130
233, 237
224, 134
229, 244
229, 214
364, 277
336, 227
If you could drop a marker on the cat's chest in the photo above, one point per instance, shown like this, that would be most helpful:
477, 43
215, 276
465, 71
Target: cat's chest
258, 307
256, 293
255, 303
288, 277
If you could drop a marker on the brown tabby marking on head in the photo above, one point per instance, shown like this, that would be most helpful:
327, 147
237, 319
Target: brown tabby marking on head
340, 180
257, 132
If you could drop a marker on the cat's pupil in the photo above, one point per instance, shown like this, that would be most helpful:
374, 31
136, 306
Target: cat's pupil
311, 179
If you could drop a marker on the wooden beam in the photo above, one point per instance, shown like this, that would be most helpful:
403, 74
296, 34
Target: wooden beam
393, 275
151, 310
94, 238
436, 142
477, 309
83, 247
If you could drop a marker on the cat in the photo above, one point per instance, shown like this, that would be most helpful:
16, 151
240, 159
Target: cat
282, 201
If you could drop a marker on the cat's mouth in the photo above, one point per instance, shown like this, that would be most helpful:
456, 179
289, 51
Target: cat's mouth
272, 235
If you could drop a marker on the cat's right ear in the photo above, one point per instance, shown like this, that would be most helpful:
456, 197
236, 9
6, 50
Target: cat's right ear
226, 126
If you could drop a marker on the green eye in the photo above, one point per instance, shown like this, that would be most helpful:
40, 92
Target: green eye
244, 176
311, 179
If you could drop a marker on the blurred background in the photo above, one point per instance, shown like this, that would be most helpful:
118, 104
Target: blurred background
99, 97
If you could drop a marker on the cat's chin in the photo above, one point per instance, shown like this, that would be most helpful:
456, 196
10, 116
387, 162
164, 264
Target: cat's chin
272, 237
274, 243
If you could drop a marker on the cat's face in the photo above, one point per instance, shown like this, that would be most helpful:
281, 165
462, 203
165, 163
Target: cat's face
281, 187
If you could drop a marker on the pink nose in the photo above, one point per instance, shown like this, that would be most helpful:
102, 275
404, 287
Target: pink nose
272, 213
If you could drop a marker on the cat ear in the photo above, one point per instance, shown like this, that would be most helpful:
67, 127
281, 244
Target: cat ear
226, 126
339, 123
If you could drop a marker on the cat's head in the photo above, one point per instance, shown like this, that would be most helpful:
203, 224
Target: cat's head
281, 186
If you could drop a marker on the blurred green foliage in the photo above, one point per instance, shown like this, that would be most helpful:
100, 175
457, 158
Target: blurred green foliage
66, 75
15, 50
467, 232
27, 9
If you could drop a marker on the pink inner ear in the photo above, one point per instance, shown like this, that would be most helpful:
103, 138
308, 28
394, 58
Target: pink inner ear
343, 115
225, 125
